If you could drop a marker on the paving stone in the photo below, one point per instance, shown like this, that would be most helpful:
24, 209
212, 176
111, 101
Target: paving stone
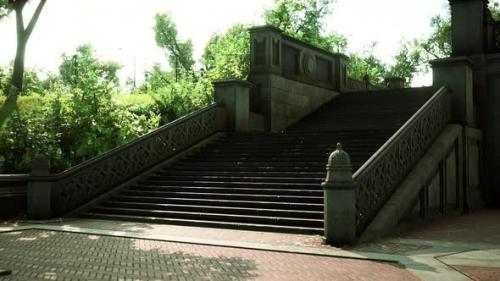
51, 255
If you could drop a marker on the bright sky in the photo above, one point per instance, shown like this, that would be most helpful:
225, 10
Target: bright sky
121, 30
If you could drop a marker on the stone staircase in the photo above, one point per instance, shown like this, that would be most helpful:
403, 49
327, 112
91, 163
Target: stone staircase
265, 181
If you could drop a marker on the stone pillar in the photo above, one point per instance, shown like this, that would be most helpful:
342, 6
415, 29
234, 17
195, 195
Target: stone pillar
340, 72
456, 74
235, 95
39, 190
339, 199
468, 29
265, 50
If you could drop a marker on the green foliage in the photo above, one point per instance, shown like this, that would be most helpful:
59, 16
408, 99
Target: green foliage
31, 81
51, 125
180, 53
5, 8
303, 19
156, 79
89, 80
438, 45
367, 64
495, 10
407, 62
4, 81
182, 97
76, 117
227, 56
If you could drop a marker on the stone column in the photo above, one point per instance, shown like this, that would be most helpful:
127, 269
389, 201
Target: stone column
39, 190
339, 199
468, 29
265, 50
340, 72
235, 95
456, 74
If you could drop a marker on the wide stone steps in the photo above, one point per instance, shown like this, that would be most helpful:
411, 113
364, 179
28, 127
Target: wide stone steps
217, 209
208, 223
249, 175
227, 203
232, 179
259, 219
227, 196
228, 190
260, 180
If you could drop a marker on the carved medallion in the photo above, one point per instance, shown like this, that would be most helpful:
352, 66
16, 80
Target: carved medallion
308, 64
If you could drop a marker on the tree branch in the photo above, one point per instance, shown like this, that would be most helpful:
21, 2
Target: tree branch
34, 19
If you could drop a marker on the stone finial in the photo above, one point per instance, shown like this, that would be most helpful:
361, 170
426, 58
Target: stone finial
339, 167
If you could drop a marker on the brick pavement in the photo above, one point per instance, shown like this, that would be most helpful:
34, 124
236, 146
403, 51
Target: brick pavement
482, 226
480, 273
54, 255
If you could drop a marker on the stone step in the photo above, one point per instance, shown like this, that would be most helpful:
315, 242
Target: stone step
312, 191
216, 209
234, 178
221, 202
236, 218
227, 196
237, 174
204, 223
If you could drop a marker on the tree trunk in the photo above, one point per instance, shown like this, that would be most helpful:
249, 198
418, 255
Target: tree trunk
16, 83
18, 73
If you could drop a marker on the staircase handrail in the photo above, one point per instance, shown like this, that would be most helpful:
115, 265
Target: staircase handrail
77, 185
379, 176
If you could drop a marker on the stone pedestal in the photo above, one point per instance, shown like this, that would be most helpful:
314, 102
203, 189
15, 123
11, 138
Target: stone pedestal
235, 95
456, 74
39, 190
340, 212
339, 199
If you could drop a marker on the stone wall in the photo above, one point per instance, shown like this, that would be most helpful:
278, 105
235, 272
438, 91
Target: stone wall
283, 101
291, 78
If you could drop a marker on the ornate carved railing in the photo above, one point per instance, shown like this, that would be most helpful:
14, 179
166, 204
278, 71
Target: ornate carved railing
494, 36
380, 175
13, 184
83, 182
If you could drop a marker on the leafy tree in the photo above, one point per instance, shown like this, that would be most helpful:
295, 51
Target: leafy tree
366, 64
303, 19
4, 81
438, 44
407, 62
23, 34
180, 53
156, 79
227, 56
90, 80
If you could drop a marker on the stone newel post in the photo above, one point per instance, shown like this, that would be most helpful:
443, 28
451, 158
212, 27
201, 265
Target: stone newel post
235, 95
39, 195
339, 199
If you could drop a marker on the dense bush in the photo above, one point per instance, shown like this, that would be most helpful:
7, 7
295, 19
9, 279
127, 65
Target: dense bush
55, 125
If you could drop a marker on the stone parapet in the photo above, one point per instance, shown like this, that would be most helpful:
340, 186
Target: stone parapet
273, 52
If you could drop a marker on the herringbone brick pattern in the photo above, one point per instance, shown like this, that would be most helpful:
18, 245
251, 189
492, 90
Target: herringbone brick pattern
46, 255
